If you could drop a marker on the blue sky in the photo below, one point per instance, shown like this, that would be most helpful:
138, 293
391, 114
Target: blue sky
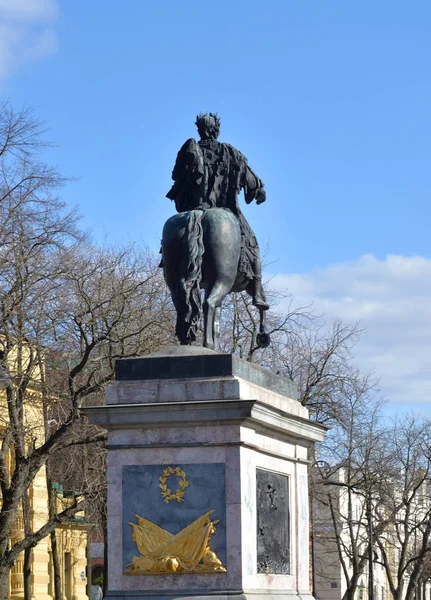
329, 100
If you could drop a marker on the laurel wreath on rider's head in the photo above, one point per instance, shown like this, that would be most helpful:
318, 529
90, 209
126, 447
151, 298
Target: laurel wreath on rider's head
166, 492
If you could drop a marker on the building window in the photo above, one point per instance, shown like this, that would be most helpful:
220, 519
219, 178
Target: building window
334, 584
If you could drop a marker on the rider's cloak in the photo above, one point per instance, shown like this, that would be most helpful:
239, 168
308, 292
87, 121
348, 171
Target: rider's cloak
210, 174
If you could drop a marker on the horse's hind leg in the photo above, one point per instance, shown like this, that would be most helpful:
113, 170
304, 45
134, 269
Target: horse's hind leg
222, 240
212, 309
208, 332
216, 327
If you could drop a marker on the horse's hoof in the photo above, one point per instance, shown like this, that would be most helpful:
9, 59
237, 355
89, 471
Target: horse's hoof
263, 340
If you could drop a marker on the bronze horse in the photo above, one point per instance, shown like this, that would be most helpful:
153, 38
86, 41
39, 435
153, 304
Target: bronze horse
201, 250
209, 244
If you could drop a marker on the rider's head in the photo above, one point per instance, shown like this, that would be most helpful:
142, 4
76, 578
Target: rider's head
208, 125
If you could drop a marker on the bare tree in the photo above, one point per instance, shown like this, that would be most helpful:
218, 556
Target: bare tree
68, 310
405, 545
345, 482
371, 501
240, 325
319, 358
316, 355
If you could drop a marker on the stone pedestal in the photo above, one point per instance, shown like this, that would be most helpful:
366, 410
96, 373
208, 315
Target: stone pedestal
193, 431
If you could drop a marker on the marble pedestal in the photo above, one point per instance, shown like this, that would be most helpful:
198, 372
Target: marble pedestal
242, 439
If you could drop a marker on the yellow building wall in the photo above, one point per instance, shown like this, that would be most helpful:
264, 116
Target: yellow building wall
71, 538
72, 541
40, 573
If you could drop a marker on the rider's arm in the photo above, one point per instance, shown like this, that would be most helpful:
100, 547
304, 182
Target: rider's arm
184, 158
253, 187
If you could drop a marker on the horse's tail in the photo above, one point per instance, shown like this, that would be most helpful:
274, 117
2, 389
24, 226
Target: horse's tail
189, 292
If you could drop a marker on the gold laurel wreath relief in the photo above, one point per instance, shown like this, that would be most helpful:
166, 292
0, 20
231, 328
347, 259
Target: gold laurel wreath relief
166, 491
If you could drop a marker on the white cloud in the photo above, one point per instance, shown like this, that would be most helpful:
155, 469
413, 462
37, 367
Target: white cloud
392, 299
27, 32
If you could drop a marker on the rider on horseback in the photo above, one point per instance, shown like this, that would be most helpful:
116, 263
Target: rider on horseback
210, 174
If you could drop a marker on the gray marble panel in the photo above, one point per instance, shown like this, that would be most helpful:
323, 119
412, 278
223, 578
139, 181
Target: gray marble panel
273, 556
142, 496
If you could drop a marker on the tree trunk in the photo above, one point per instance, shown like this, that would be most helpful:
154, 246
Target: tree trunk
28, 551
352, 586
56, 566
4, 580
370, 550
414, 581
52, 499
8, 516
52, 511
27, 573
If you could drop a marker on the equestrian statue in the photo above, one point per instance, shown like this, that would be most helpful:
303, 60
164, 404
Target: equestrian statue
209, 245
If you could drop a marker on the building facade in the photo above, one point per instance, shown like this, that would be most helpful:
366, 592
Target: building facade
71, 537
340, 535
71, 541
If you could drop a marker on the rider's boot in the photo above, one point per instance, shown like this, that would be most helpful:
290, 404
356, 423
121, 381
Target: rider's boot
259, 299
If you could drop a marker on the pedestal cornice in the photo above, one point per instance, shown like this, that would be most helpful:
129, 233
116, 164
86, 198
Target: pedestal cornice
250, 413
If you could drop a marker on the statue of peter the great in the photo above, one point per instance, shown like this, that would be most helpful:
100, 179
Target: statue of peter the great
210, 174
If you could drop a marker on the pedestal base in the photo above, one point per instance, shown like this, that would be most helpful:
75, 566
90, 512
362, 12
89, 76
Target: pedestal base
206, 473
220, 595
